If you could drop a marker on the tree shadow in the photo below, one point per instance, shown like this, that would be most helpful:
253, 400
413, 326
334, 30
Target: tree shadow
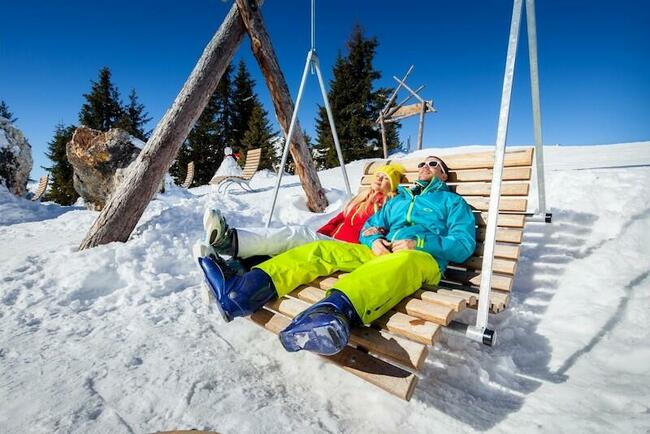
480, 386
26, 211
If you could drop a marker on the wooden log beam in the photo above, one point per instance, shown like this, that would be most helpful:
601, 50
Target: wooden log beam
122, 212
282, 103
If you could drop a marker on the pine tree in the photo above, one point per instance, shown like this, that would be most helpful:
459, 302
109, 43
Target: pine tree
5, 113
134, 118
243, 103
61, 188
259, 135
355, 106
103, 107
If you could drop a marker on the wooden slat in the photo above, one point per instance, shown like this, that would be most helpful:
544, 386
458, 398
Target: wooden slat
454, 302
435, 313
503, 235
415, 329
509, 174
505, 204
503, 251
390, 378
394, 348
505, 266
472, 188
470, 298
503, 220
474, 278
483, 189
473, 160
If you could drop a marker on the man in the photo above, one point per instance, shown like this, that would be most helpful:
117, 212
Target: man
409, 242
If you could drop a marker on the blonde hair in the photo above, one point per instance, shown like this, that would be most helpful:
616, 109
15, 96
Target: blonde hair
367, 198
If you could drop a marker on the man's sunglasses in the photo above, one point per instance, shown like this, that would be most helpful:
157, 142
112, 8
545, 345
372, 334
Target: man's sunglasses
432, 163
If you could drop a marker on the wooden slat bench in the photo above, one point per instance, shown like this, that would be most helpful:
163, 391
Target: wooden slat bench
43, 183
391, 351
253, 158
189, 177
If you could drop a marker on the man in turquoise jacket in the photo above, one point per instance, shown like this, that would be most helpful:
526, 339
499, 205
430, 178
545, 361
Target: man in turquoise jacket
408, 243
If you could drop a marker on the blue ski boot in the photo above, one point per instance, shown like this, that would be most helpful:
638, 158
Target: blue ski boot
323, 328
236, 295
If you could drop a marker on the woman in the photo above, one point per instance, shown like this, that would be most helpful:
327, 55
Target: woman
345, 226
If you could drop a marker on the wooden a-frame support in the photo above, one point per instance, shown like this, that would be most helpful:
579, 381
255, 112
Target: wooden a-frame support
123, 211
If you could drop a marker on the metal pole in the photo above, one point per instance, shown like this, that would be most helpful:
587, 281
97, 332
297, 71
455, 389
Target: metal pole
330, 117
421, 126
479, 331
287, 142
537, 117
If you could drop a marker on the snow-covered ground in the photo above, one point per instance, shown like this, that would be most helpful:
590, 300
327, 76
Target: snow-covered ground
116, 340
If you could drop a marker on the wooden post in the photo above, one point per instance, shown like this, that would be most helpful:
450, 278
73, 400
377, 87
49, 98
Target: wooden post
122, 212
421, 126
383, 134
282, 103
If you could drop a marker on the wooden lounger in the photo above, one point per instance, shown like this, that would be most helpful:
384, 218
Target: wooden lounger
189, 177
42, 187
390, 353
252, 164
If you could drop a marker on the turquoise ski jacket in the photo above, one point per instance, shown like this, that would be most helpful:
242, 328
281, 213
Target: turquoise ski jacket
441, 222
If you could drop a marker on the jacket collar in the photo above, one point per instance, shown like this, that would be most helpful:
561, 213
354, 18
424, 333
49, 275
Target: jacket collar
436, 184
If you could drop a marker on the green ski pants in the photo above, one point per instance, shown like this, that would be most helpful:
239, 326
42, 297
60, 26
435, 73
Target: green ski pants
375, 283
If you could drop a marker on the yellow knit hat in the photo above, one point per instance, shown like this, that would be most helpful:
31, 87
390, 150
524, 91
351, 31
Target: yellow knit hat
394, 171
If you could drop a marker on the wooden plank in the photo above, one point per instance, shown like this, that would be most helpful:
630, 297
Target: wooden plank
471, 175
390, 378
483, 189
503, 235
505, 266
454, 302
472, 160
503, 251
474, 278
410, 110
415, 329
394, 348
505, 204
469, 188
470, 298
437, 314
503, 220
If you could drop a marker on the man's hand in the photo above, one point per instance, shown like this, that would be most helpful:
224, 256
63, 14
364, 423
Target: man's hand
402, 245
380, 247
373, 231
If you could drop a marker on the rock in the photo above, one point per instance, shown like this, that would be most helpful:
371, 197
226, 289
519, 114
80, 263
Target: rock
15, 158
100, 161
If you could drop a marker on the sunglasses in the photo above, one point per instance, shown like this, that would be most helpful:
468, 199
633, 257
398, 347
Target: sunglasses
432, 163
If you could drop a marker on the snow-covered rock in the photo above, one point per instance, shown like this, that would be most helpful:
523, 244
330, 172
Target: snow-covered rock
100, 161
15, 158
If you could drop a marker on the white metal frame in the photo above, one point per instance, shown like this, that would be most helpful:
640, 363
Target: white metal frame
480, 331
313, 62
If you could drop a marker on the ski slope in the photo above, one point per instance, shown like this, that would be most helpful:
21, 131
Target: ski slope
116, 340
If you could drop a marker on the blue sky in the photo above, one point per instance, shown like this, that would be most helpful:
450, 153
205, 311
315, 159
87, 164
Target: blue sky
594, 61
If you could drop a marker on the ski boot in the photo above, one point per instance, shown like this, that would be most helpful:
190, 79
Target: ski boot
323, 328
218, 234
236, 295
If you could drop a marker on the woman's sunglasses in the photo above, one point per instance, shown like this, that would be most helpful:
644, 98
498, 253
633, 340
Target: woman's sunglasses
432, 163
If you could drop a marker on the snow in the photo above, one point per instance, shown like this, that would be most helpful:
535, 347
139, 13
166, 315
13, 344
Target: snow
115, 339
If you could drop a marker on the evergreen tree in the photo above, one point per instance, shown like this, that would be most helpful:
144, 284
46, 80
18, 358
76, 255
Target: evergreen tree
243, 103
355, 106
134, 118
103, 108
206, 141
61, 187
259, 135
5, 113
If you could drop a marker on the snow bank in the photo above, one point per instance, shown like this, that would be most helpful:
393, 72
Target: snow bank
115, 339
